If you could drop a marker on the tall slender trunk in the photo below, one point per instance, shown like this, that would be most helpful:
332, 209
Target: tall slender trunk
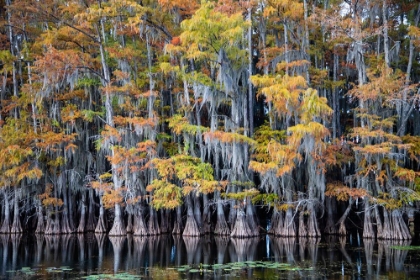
250, 66
206, 225
71, 211
153, 225
65, 224
286, 47
16, 225
341, 222
82, 219
5, 227
197, 212
330, 227
367, 224
101, 225
150, 99
306, 38
91, 219
289, 227
336, 130
40, 226
129, 228
408, 107
385, 31
232, 210
178, 226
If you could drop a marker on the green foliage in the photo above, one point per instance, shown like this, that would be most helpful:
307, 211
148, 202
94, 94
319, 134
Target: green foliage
88, 82
242, 195
180, 125
89, 115
190, 173
209, 31
267, 199
165, 194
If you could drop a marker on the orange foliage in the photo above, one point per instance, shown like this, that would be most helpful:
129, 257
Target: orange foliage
112, 197
47, 200
344, 193
176, 41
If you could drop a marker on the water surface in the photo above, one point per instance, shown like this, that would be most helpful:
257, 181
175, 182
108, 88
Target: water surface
91, 256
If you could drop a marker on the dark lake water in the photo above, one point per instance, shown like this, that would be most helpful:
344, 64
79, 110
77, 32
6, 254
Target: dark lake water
93, 256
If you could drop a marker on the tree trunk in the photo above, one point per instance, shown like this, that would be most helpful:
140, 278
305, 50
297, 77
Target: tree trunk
335, 102
251, 218
302, 225
40, 225
289, 227
118, 228
250, 87
232, 210
178, 227
342, 231
367, 224
65, 224
16, 226
241, 228
164, 221
153, 225
222, 227
207, 226
101, 225
400, 228
197, 212
71, 211
82, 220
191, 226
5, 227
129, 228
53, 223
330, 227
382, 229
139, 224
91, 219
385, 30
408, 107
277, 222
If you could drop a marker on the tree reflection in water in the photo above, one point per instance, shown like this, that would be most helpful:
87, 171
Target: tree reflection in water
5, 247
203, 257
117, 244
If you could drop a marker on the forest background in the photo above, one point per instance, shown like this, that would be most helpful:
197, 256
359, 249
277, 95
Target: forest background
296, 117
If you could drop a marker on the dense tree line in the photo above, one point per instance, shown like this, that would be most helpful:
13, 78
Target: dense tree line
190, 117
